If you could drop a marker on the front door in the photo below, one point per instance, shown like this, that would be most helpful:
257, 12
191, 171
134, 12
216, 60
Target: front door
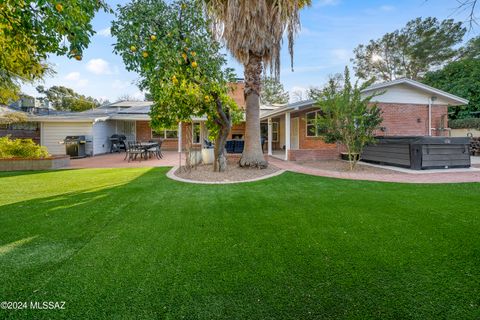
294, 134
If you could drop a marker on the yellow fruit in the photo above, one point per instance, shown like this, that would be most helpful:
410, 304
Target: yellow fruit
207, 99
59, 7
174, 80
133, 48
78, 58
145, 54
193, 53
184, 56
194, 64
184, 6
153, 37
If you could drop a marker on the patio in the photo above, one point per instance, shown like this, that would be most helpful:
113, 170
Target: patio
116, 160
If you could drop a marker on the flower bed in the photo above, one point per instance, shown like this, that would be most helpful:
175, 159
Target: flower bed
49, 163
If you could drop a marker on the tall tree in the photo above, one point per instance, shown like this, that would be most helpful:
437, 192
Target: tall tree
410, 51
348, 117
459, 78
253, 31
273, 92
171, 47
65, 99
32, 29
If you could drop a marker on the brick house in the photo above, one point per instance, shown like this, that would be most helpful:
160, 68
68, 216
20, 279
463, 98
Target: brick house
409, 108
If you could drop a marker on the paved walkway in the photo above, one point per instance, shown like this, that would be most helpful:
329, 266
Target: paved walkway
424, 177
170, 159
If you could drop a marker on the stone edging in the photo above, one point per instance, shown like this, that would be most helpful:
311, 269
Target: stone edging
171, 175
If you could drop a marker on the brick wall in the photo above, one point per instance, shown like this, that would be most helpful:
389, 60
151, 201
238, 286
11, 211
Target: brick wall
237, 93
410, 119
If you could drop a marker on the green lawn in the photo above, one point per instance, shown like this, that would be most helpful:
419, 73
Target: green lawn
130, 243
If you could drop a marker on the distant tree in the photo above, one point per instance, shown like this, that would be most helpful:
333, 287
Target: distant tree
273, 92
410, 51
298, 95
348, 117
65, 99
471, 50
30, 30
127, 97
462, 79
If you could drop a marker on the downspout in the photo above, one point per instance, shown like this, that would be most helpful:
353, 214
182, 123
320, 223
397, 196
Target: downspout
430, 102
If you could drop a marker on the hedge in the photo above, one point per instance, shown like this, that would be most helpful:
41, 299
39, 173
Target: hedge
468, 123
21, 148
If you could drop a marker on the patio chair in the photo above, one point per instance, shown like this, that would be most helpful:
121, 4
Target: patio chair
156, 151
134, 150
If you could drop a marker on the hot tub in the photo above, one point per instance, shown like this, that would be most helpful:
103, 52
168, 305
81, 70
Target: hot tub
419, 153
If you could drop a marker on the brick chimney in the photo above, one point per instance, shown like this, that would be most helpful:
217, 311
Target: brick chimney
237, 92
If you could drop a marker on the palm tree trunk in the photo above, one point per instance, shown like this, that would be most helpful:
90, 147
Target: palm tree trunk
252, 155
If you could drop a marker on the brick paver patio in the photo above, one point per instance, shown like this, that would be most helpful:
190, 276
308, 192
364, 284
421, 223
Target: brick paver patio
170, 159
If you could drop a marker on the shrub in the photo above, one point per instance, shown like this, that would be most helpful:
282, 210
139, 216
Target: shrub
468, 123
21, 148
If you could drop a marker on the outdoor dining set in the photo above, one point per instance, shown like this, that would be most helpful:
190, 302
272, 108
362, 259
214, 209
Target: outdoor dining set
141, 150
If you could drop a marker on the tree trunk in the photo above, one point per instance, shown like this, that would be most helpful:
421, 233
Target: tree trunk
224, 122
252, 155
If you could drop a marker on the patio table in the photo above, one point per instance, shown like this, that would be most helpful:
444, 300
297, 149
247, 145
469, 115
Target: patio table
147, 145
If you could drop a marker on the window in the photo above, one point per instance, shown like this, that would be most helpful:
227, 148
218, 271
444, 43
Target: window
165, 134
313, 128
274, 131
196, 132
264, 131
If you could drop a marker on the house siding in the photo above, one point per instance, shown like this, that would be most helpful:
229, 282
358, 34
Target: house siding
102, 131
52, 133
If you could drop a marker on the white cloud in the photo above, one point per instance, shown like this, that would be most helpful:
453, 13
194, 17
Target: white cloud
73, 76
104, 32
341, 55
75, 80
98, 66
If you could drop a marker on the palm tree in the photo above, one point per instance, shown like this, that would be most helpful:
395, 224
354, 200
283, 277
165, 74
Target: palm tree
252, 31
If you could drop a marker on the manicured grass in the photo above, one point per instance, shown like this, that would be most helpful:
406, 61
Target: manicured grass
129, 243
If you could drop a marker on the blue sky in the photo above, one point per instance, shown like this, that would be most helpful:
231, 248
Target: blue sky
331, 29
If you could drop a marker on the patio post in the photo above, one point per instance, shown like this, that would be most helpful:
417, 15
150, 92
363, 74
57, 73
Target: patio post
270, 136
287, 134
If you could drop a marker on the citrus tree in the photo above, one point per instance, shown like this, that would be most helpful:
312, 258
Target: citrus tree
30, 30
172, 49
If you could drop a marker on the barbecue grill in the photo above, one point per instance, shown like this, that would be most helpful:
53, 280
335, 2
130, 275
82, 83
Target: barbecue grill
75, 146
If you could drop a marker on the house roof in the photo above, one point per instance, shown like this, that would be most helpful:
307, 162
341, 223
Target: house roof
306, 104
453, 99
296, 106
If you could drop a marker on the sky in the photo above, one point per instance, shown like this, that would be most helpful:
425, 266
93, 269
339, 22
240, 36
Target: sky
331, 29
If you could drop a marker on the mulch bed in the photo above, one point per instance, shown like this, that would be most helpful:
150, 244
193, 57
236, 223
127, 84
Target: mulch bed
233, 173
